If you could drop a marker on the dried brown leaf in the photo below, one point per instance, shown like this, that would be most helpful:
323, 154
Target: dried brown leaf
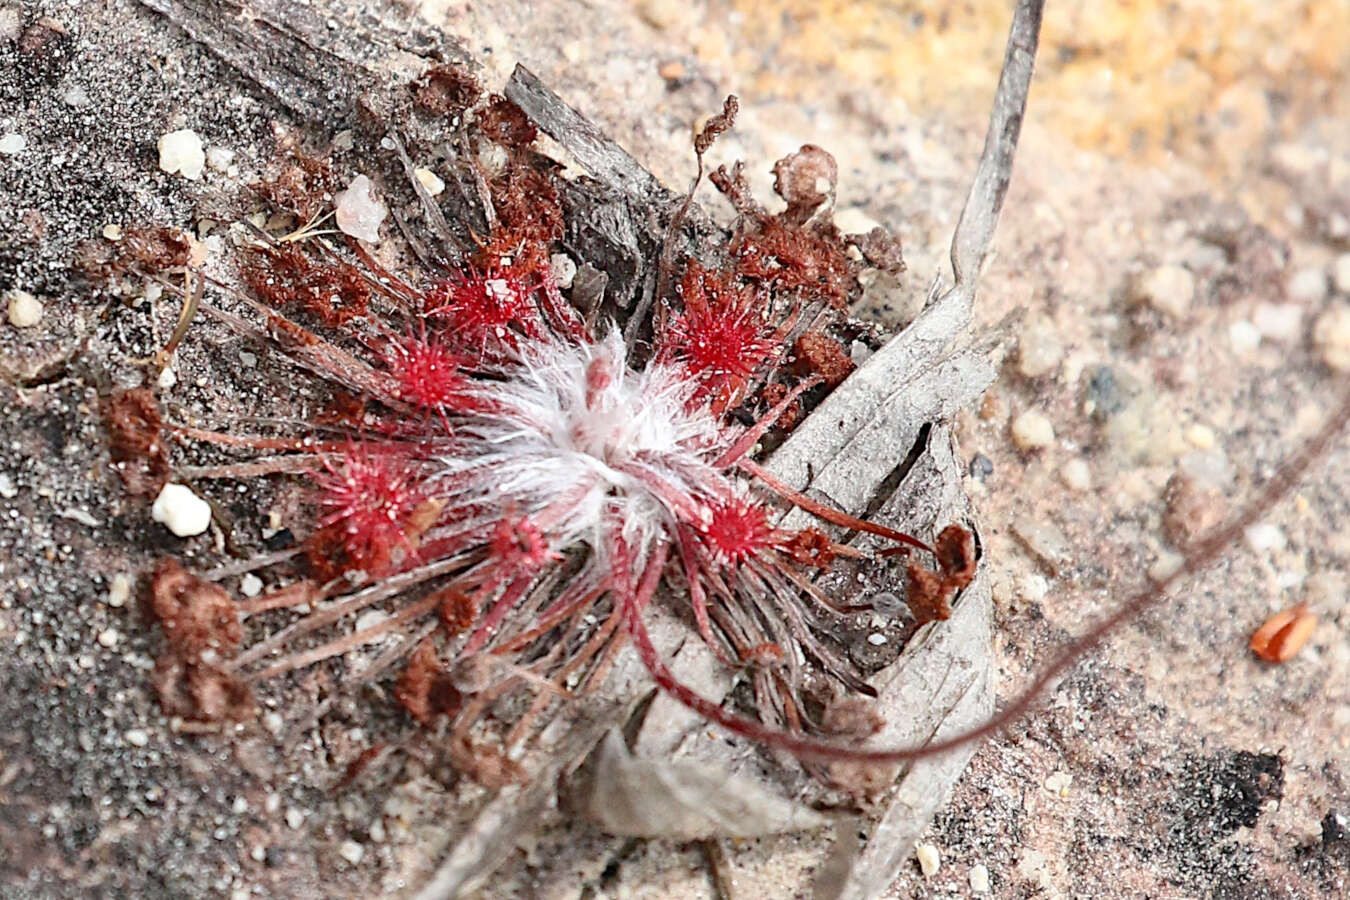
446, 90
135, 442
425, 689
717, 125
880, 248
806, 180
678, 799
819, 354
196, 615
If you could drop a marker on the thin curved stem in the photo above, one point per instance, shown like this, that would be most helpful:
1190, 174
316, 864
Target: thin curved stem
1200, 556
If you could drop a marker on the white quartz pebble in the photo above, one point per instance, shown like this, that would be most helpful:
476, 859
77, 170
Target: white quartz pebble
359, 214
181, 511
181, 151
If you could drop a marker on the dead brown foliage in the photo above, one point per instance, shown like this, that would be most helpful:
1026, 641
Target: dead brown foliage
717, 125
810, 547
425, 688
818, 354
805, 179
446, 90
196, 615
329, 554
457, 612
488, 766
880, 248
202, 630
149, 249
529, 212
200, 691
799, 252
302, 184
331, 290
504, 122
806, 260
930, 593
135, 444
772, 394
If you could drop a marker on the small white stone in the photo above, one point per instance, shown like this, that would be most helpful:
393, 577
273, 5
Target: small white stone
876, 639
359, 214
430, 180
181, 151
294, 818
377, 832
1263, 537
1076, 475
929, 859
1331, 335
1166, 565
1308, 285
979, 878
1038, 350
11, 22
240, 806
1058, 783
1168, 289
1032, 587
25, 310
136, 737
7, 487
352, 852
369, 619
166, 379
241, 893
113, 232
181, 511
273, 722
119, 590
13, 144
859, 353
1244, 337
108, 638
564, 270
1032, 431
493, 158
1341, 273
220, 158
75, 97
1200, 437
258, 853
250, 585
1282, 322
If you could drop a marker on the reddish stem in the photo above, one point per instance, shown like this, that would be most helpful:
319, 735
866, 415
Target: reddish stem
1201, 555
821, 511
756, 431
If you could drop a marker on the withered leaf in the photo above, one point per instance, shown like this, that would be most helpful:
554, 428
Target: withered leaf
679, 800
717, 125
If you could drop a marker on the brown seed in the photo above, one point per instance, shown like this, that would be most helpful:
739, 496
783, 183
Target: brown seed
1283, 634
